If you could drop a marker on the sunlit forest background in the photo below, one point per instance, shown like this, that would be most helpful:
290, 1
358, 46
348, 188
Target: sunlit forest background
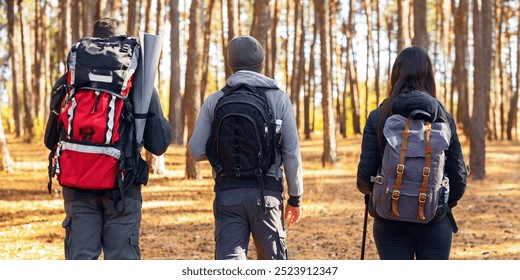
332, 57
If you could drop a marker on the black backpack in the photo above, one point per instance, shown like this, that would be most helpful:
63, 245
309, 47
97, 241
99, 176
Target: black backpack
242, 140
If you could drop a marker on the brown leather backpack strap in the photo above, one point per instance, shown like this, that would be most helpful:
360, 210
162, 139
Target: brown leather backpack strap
426, 173
400, 170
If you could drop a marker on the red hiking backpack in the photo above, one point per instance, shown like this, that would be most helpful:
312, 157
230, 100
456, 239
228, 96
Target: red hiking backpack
95, 114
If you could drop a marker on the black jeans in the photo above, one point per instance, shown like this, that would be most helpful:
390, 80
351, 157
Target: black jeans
404, 240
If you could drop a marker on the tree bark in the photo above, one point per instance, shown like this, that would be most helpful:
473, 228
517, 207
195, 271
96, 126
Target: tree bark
460, 70
13, 55
402, 24
26, 66
75, 18
192, 91
482, 62
176, 112
132, 16
513, 109
205, 53
419, 25
261, 26
352, 72
295, 81
329, 157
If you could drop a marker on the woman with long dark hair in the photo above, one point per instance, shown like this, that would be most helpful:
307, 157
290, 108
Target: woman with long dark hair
411, 90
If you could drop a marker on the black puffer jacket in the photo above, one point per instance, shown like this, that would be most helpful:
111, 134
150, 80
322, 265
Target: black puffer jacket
372, 152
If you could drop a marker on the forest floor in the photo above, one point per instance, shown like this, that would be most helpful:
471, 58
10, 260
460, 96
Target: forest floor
178, 221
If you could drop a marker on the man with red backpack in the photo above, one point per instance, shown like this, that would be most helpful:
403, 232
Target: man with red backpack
94, 152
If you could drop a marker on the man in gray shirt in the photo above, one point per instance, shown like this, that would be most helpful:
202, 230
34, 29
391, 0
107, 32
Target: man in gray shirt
239, 208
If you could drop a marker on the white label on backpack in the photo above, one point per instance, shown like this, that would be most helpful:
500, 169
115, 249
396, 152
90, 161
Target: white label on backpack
99, 78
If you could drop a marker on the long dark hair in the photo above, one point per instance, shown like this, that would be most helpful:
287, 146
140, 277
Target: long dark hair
412, 70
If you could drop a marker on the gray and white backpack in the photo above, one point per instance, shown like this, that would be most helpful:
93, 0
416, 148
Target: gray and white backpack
410, 185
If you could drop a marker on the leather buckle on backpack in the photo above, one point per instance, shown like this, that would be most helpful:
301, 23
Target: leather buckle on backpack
426, 171
422, 197
377, 179
396, 194
400, 169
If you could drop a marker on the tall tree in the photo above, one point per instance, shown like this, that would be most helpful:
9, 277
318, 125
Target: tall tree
329, 157
295, 76
205, 51
402, 24
75, 17
482, 21
352, 70
175, 113
311, 84
64, 39
512, 118
274, 39
132, 17
192, 90
232, 29
13, 54
261, 25
419, 24
460, 69
26, 77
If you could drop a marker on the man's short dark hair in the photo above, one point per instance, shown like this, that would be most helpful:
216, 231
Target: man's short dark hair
108, 27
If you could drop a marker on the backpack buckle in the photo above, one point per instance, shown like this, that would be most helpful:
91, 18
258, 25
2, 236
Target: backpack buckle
426, 171
258, 172
396, 194
237, 170
422, 198
377, 179
400, 169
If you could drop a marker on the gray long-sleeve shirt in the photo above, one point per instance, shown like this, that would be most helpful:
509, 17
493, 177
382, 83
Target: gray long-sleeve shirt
282, 109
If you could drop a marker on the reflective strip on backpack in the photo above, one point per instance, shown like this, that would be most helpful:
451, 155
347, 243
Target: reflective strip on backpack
70, 113
110, 119
109, 151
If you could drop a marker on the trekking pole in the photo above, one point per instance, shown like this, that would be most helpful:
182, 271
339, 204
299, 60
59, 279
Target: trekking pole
365, 221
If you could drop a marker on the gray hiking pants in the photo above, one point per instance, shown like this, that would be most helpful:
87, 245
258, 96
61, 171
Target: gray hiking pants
239, 214
94, 224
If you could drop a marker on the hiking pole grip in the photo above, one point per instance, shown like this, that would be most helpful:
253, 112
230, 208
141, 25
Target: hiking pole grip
365, 221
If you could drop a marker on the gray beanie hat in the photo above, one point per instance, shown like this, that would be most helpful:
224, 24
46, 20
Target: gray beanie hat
245, 53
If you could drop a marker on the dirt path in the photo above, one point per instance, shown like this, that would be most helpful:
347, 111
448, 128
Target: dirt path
178, 222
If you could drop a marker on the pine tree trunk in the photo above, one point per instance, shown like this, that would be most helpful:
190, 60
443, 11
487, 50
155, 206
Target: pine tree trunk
75, 18
261, 25
460, 71
352, 72
26, 78
513, 109
205, 53
176, 112
192, 91
481, 18
132, 16
13, 55
402, 24
419, 25
295, 81
311, 84
329, 157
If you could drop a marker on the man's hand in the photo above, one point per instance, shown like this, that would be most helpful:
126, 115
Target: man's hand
292, 214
